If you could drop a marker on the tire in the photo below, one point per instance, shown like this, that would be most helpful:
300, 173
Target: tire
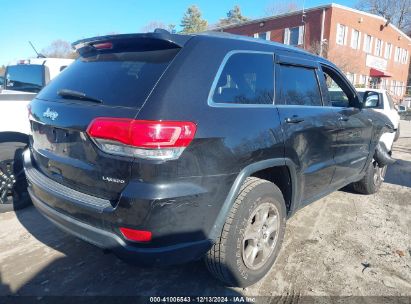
13, 183
231, 258
397, 133
372, 180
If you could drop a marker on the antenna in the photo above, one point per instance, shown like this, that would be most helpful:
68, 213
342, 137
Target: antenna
303, 15
303, 21
38, 54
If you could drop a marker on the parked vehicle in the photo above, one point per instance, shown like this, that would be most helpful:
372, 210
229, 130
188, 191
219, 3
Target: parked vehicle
1, 82
169, 148
382, 102
23, 81
402, 109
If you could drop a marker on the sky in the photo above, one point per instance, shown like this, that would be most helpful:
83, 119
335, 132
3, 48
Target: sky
42, 21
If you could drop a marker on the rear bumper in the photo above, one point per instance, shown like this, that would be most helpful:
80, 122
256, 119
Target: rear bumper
48, 196
169, 255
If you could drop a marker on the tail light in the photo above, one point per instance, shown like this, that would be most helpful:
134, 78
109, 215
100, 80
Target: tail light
160, 140
136, 235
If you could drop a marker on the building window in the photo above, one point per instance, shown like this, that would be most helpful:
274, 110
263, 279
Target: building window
341, 34
383, 83
397, 87
350, 77
388, 50
404, 56
355, 39
397, 54
263, 35
378, 47
367, 43
363, 80
294, 35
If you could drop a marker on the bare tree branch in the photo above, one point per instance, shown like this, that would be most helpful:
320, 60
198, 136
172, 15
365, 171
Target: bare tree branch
152, 25
397, 12
278, 8
59, 49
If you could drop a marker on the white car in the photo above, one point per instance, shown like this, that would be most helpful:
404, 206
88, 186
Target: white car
385, 105
22, 81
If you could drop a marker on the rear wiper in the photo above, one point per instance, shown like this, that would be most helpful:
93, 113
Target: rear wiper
66, 93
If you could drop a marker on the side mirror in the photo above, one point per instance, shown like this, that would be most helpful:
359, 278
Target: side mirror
371, 99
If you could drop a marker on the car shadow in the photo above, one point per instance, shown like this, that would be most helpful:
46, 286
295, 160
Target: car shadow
399, 173
77, 268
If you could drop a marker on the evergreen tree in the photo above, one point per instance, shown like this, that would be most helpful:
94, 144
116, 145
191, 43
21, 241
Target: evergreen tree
192, 21
233, 16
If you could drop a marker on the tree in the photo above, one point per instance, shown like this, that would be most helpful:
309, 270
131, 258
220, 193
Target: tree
152, 25
192, 21
278, 8
316, 48
233, 16
59, 49
397, 12
2, 70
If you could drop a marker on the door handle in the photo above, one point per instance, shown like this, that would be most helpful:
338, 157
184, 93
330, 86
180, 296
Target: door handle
294, 119
343, 118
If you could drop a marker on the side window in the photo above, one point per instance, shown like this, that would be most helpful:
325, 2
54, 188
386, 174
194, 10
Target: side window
338, 93
247, 78
298, 86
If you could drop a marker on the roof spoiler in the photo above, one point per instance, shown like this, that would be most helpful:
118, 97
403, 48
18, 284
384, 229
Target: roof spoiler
159, 38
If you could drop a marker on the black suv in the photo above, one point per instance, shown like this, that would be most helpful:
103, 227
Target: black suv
166, 148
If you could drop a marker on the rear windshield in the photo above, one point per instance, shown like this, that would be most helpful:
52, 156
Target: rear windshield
118, 79
28, 78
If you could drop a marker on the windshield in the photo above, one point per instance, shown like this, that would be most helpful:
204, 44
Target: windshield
116, 79
28, 78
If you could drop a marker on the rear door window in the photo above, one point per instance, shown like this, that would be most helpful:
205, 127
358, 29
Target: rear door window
247, 78
298, 86
118, 79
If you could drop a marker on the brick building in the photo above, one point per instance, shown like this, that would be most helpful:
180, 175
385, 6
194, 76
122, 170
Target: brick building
371, 51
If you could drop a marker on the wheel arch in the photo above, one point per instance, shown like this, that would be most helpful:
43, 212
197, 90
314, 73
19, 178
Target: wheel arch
253, 170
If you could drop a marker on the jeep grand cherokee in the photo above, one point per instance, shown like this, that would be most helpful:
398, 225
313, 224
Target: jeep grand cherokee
166, 148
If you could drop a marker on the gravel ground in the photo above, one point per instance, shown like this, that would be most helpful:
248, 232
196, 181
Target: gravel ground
344, 244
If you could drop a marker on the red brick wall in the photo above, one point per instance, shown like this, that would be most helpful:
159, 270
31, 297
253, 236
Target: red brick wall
349, 59
355, 60
277, 26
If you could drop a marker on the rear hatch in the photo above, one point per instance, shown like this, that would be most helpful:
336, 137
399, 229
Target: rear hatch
113, 78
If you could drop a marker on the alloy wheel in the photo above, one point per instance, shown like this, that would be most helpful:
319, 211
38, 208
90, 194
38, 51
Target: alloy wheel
7, 181
261, 235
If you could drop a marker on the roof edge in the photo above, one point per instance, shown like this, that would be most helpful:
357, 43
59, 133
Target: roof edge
273, 17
